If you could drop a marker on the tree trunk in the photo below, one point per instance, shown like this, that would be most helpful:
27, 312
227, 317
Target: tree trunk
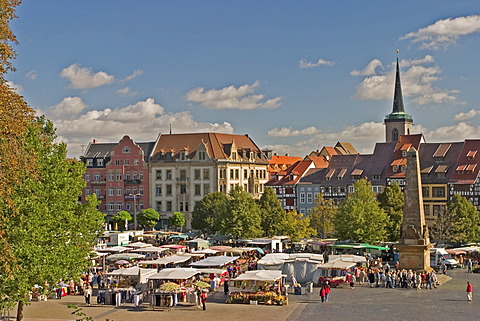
20, 311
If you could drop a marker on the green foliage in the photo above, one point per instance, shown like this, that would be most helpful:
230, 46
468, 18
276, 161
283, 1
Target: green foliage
242, 217
148, 217
392, 201
296, 226
360, 217
121, 218
322, 216
207, 214
177, 219
272, 213
51, 234
459, 223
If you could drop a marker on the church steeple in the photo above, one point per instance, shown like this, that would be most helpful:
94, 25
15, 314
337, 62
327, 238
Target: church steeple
398, 98
398, 122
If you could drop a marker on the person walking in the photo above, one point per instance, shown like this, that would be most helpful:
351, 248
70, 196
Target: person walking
469, 291
225, 287
322, 293
469, 266
327, 291
203, 299
88, 294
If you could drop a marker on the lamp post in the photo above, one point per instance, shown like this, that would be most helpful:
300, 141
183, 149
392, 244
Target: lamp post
135, 210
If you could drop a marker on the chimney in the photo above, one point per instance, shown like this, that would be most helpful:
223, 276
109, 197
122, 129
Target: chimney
94, 141
286, 154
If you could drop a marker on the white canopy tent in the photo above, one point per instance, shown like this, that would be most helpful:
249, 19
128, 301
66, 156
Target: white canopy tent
117, 249
138, 245
174, 274
150, 249
260, 275
215, 261
172, 259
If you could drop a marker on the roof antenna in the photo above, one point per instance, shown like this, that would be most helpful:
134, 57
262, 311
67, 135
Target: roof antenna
170, 129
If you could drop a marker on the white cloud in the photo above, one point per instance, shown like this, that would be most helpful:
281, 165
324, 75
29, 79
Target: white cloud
417, 83
31, 75
468, 115
68, 108
18, 88
289, 132
232, 97
84, 78
126, 92
444, 33
453, 133
134, 74
303, 64
369, 69
143, 121
363, 137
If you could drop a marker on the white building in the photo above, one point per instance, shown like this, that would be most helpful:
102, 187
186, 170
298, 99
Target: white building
186, 167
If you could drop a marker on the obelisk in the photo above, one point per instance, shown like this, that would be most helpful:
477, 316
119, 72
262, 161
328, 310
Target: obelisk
414, 246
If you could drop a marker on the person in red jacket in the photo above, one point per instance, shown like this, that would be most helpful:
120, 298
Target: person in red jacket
469, 291
327, 291
322, 293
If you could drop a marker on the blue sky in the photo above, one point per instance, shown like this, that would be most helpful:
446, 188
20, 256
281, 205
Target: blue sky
295, 75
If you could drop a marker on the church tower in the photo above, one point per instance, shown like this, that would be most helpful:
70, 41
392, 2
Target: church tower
398, 122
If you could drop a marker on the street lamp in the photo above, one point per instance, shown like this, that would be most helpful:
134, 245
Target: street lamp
135, 210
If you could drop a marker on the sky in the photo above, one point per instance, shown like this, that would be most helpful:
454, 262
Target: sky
294, 75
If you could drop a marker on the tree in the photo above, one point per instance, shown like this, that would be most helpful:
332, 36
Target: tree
242, 217
392, 201
271, 212
121, 218
148, 217
322, 216
360, 217
296, 226
51, 234
177, 219
207, 213
459, 223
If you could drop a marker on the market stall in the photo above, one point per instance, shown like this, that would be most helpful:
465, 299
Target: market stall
166, 260
131, 283
173, 286
334, 271
258, 287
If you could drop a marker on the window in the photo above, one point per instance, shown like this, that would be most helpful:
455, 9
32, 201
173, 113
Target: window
119, 206
196, 174
169, 206
159, 206
231, 174
140, 190
134, 175
425, 192
183, 189
245, 174
158, 189
395, 168
302, 197
119, 176
140, 176
403, 168
186, 206
99, 162
404, 153
377, 189
169, 189
128, 206
142, 205
158, 174
111, 176
127, 176
126, 162
351, 189
206, 189
87, 191
309, 197
96, 191
168, 174
237, 174
111, 191
234, 155
426, 209
437, 209
376, 176
117, 162
201, 155
126, 150
136, 162
181, 207
182, 155
89, 162
197, 189
87, 177
111, 206
438, 192
206, 174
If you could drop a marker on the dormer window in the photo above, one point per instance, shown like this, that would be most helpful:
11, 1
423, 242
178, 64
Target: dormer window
404, 153
471, 154
403, 168
89, 162
182, 155
395, 169
126, 150
234, 155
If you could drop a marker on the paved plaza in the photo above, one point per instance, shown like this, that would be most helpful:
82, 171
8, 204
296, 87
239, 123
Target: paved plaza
448, 302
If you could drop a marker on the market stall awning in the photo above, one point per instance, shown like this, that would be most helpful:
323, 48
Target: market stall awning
337, 264
125, 256
215, 261
182, 236
206, 251
132, 271
456, 252
173, 246
260, 275
174, 274
137, 245
114, 249
150, 249
172, 259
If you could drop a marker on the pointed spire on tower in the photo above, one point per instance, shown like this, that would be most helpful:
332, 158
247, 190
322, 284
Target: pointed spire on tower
398, 97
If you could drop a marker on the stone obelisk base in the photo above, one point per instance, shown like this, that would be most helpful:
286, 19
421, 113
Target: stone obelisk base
414, 257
